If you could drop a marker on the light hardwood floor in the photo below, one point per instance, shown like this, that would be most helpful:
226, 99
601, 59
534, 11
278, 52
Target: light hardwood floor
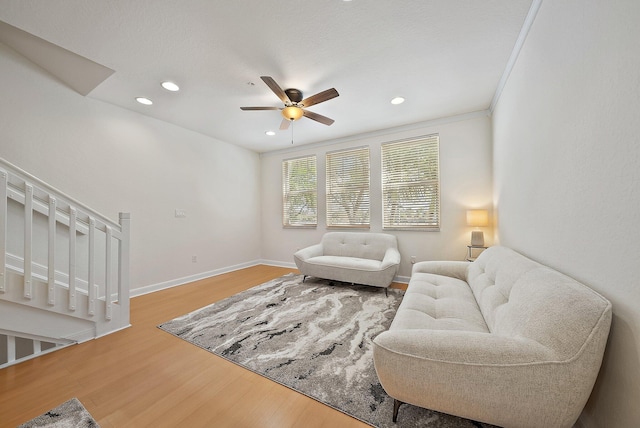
144, 377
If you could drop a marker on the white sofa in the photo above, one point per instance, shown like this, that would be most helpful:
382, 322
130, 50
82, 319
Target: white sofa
502, 340
355, 257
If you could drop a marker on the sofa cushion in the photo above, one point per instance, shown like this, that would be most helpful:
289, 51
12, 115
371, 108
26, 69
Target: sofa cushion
345, 263
553, 310
519, 297
362, 245
493, 275
438, 303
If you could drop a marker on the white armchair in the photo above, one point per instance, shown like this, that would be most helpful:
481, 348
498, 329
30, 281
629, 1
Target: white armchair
356, 257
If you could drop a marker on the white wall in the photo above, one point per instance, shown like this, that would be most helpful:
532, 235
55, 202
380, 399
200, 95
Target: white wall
566, 162
115, 160
465, 178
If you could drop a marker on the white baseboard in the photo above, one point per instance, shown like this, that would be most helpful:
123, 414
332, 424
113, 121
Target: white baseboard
402, 279
289, 265
187, 279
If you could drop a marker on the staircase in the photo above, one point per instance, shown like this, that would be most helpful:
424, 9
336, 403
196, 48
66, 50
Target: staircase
64, 269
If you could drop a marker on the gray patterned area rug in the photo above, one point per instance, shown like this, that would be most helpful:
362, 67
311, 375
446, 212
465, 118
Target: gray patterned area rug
70, 414
313, 337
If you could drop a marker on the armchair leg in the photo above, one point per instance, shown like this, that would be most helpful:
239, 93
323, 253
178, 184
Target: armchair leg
396, 406
386, 292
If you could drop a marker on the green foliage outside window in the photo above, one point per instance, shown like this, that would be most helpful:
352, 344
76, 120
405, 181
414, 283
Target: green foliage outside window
299, 192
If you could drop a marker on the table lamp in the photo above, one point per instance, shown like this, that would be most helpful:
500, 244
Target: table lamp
477, 218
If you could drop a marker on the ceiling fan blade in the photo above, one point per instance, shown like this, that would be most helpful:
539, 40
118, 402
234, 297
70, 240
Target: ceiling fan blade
318, 117
259, 108
284, 125
276, 89
320, 97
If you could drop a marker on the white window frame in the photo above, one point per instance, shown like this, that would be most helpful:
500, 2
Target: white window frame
413, 167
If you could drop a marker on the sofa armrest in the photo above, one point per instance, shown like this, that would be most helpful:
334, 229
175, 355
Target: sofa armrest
308, 252
453, 269
391, 257
463, 347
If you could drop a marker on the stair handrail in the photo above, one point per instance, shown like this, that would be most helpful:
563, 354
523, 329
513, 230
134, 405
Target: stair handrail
54, 201
24, 175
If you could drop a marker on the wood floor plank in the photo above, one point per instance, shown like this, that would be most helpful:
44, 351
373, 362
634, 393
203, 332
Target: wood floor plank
144, 377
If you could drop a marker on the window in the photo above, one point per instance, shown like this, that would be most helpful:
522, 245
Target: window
348, 188
299, 192
411, 184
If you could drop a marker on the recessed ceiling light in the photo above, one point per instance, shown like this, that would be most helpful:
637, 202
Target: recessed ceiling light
170, 86
397, 100
145, 101
270, 133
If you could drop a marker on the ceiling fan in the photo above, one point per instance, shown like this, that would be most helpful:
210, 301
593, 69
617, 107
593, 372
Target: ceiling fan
294, 105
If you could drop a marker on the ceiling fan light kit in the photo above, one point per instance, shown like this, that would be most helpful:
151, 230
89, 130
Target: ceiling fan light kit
292, 113
294, 104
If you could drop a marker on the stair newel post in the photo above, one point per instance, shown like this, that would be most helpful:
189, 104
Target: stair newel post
3, 229
72, 258
108, 279
11, 348
28, 238
51, 294
123, 267
92, 267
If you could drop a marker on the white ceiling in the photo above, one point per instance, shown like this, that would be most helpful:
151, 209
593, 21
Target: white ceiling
445, 57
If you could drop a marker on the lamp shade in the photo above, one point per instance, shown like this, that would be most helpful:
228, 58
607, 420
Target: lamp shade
292, 113
477, 218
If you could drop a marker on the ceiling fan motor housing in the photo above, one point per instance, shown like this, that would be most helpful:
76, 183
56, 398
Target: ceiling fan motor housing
294, 95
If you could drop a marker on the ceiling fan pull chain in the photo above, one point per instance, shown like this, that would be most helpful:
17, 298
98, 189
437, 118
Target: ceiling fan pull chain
291, 132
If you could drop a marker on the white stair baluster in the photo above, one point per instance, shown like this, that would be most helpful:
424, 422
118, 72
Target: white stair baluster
72, 258
11, 348
3, 229
123, 267
107, 282
28, 237
91, 310
51, 295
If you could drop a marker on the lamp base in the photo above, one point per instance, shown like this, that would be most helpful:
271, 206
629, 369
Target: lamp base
477, 238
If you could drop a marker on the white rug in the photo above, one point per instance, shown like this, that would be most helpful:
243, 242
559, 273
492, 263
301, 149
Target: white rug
70, 414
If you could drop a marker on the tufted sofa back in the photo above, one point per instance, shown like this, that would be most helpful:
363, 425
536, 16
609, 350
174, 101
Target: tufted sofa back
362, 245
521, 298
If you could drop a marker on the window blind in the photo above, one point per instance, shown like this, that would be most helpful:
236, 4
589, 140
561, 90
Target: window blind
299, 192
411, 184
348, 188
